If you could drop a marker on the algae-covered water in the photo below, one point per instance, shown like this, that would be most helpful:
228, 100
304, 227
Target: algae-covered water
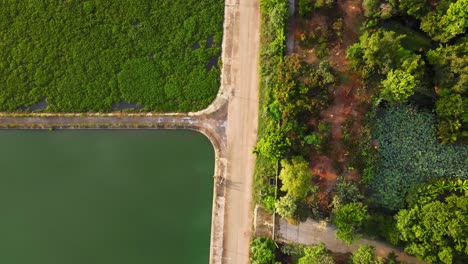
105, 197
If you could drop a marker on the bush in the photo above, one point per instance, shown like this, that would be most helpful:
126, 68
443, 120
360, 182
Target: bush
346, 192
349, 220
436, 224
365, 255
286, 206
296, 178
317, 255
262, 251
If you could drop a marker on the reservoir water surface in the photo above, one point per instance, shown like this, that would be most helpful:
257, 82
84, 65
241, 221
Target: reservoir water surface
105, 197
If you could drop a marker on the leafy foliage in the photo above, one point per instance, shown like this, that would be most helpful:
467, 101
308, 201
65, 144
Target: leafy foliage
316, 255
349, 220
450, 65
286, 206
410, 154
295, 177
273, 21
444, 23
436, 224
398, 86
346, 192
416, 8
380, 52
262, 251
88, 55
451, 77
273, 145
365, 255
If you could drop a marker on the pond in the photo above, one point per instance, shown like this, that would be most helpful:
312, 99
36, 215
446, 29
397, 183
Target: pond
101, 196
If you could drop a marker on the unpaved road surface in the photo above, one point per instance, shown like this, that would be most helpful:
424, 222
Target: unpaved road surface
241, 134
312, 233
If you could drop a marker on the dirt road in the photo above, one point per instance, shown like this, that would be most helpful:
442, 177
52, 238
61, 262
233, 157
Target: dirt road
312, 233
241, 134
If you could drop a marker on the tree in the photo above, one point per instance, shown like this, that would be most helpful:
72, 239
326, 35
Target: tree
262, 251
295, 177
346, 192
398, 86
348, 220
317, 255
450, 66
443, 24
273, 145
450, 110
378, 52
365, 255
286, 206
416, 8
436, 229
450, 106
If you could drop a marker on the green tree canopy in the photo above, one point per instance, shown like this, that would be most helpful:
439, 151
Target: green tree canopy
273, 145
346, 192
365, 254
398, 86
378, 52
416, 8
296, 177
286, 206
262, 251
450, 65
444, 23
316, 255
435, 226
348, 220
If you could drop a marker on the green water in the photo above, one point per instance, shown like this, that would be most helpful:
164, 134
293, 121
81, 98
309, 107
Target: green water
89, 197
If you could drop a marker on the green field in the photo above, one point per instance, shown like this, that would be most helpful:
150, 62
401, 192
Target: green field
90, 55
105, 197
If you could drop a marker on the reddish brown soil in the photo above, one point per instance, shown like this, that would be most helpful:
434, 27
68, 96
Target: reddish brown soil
327, 166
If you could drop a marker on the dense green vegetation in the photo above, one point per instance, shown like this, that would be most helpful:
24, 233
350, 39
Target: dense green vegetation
419, 124
320, 254
291, 92
262, 251
414, 78
89, 55
435, 225
409, 154
397, 54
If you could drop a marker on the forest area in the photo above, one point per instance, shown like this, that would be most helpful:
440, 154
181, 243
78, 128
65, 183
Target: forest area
88, 56
364, 124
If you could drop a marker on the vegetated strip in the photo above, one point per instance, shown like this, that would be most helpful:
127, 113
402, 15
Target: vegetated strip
86, 56
272, 49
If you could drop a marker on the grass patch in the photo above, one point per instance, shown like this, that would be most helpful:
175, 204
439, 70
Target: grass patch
88, 55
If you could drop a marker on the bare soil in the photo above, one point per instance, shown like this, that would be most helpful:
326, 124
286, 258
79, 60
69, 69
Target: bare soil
326, 167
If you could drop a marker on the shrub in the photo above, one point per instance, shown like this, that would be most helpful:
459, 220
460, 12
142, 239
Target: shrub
317, 255
365, 254
286, 206
262, 251
436, 224
296, 178
346, 192
349, 220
